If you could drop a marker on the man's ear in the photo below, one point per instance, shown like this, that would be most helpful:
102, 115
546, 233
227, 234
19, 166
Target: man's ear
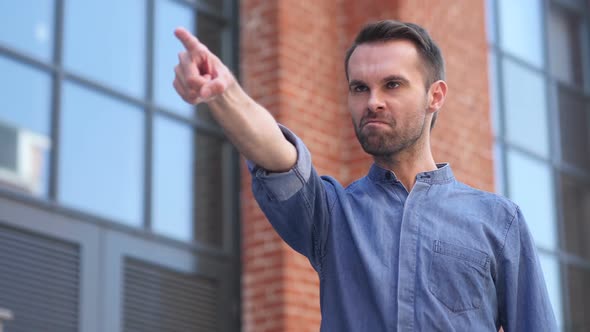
436, 95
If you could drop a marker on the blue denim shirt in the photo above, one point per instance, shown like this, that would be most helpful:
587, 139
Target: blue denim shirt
443, 257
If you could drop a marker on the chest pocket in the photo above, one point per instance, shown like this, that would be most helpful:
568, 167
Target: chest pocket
458, 276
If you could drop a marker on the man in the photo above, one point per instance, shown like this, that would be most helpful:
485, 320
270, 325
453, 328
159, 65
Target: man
408, 247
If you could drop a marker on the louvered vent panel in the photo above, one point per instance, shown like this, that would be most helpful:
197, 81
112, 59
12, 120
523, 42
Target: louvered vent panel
39, 282
163, 300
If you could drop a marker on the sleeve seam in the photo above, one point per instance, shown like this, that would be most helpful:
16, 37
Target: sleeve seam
506, 230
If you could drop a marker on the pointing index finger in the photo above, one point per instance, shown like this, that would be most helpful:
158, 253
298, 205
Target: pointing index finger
190, 42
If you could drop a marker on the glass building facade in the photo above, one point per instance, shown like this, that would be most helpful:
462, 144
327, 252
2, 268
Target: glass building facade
119, 202
103, 166
540, 92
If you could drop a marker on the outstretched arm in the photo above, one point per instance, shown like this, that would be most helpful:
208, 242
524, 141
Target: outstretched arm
202, 77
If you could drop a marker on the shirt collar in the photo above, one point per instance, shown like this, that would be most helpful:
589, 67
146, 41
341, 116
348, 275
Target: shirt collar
443, 173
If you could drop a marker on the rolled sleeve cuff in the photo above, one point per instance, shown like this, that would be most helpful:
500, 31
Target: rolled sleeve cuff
281, 186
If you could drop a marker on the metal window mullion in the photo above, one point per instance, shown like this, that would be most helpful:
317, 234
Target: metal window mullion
585, 47
231, 45
56, 104
26, 59
149, 116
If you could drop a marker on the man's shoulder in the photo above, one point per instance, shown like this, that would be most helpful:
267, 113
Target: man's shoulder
356, 185
490, 202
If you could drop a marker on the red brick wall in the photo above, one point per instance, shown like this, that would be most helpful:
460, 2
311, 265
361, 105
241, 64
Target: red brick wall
292, 55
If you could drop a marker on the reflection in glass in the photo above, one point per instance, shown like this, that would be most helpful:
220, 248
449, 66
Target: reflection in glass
101, 157
574, 117
491, 20
551, 273
105, 40
209, 32
576, 215
25, 119
499, 170
187, 183
208, 184
169, 15
525, 109
530, 186
217, 4
579, 298
521, 29
494, 102
26, 96
27, 25
172, 185
24, 160
565, 52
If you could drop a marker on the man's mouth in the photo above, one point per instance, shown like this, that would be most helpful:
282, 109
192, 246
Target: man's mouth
375, 123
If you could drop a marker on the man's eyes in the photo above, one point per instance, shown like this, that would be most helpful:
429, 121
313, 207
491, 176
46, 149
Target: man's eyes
359, 88
364, 88
392, 85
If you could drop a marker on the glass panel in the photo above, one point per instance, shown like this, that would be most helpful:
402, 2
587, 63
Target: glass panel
105, 40
172, 179
101, 157
26, 96
550, 267
187, 183
565, 53
574, 116
25, 120
210, 33
525, 110
499, 169
521, 29
579, 297
169, 15
491, 20
27, 25
217, 4
576, 209
494, 102
530, 186
208, 183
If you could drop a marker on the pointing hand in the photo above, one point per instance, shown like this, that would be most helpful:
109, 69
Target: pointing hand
200, 75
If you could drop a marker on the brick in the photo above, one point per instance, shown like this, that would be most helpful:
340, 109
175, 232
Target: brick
292, 55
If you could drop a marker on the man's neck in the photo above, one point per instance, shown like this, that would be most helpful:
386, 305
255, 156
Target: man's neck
407, 164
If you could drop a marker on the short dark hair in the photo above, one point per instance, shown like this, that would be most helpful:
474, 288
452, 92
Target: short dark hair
388, 30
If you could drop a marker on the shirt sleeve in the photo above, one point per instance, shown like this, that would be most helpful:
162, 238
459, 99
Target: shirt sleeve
297, 202
522, 294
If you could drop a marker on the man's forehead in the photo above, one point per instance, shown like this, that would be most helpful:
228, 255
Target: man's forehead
387, 58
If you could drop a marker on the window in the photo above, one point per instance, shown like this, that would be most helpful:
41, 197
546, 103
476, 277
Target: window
525, 107
169, 15
107, 45
27, 26
25, 123
541, 106
521, 31
108, 136
98, 154
100, 164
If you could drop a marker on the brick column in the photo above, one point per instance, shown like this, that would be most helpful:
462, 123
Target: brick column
292, 54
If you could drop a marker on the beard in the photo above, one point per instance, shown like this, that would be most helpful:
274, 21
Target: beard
388, 143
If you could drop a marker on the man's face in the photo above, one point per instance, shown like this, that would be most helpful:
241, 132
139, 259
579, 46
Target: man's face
387, 98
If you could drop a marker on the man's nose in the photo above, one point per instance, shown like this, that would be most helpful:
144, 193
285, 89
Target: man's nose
375, 102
